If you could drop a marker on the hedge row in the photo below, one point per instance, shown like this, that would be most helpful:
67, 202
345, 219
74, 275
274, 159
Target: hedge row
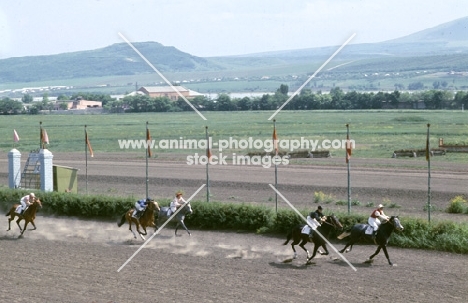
444, 236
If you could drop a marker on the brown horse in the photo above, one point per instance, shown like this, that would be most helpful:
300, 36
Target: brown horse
146, 219
28, 215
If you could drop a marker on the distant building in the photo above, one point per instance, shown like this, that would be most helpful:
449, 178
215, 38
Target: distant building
79, 103
168, 91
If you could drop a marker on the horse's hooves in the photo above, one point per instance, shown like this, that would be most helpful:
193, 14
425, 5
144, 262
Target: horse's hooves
288, 260
324, 254
310, 263
370, 261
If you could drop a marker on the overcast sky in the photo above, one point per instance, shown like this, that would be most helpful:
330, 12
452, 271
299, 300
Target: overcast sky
212, 27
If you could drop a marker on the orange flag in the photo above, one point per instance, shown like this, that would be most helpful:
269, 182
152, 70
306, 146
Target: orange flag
148, 140
88, 144
44, 137
208, 153
15, 136
348, 149
275, 140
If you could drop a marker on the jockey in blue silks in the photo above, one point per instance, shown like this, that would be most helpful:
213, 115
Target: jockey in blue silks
140, 207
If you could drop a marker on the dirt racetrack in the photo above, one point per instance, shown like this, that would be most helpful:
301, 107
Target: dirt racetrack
72, 260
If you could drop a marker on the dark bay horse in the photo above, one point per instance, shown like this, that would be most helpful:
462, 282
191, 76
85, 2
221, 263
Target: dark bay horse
28, 215
298, 237
179, 217
146, 219
383, 235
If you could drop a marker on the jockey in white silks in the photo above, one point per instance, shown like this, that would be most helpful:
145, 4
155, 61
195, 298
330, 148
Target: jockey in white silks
176, 203
25, 202
376, 218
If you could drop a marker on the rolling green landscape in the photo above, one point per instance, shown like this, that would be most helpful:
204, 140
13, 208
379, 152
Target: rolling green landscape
438, 54
377, 134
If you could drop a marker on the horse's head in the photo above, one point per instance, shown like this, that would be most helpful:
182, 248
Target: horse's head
396, 223
37, 202
333, 220
153, 205
188, 208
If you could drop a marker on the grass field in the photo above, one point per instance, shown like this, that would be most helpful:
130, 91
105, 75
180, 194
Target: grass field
376, 133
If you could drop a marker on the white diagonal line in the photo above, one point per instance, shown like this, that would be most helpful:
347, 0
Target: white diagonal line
159, 229
162, 76
307, 222
311, 77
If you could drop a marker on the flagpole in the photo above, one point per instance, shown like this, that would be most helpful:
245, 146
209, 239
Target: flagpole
40, 135
86, 158
276, 166
428, 158
347, 162
207, 165
146, 153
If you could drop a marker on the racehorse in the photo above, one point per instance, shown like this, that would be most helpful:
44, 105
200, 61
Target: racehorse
28, 215
383, 235
146, 219
179, 217
296, 234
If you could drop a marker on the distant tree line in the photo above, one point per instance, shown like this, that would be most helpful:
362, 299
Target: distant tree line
336, 98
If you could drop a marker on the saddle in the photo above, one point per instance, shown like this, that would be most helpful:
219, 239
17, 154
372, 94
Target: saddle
369, 230
18, 209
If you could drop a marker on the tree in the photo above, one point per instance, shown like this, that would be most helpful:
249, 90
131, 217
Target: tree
27, 98
283, 89
10, 107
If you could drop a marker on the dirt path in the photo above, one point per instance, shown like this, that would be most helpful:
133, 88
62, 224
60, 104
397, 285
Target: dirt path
69, 260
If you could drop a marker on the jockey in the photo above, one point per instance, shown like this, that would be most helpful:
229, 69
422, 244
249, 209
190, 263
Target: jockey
140, 207
315, 218
176, 203
25, 202
376, 218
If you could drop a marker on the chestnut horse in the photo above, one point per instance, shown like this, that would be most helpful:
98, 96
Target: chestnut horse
28, 215
146, 219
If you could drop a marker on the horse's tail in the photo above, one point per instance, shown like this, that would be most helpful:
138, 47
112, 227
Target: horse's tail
122, 220
288, 238
8, 213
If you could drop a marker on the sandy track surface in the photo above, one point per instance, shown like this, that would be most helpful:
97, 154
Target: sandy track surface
70, 260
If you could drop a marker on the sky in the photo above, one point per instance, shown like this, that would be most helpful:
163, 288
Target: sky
212, 27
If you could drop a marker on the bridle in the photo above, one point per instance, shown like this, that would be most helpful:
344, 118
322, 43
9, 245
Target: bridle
333, 224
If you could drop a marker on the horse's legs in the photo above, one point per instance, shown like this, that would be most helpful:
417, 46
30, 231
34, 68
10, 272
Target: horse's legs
130, 228
302, 245
324, 245
24, 228
181, 223
17, 222
32, 222
9, 222
376, 252
385, 252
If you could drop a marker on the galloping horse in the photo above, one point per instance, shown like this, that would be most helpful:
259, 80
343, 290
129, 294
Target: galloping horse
186, 210
146, 219
296, 234
28, 215
383, 235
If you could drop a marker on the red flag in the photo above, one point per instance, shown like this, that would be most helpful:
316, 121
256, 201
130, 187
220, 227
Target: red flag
148, 141
88, 144
275, 140
208, 153
15, 136
349, 149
